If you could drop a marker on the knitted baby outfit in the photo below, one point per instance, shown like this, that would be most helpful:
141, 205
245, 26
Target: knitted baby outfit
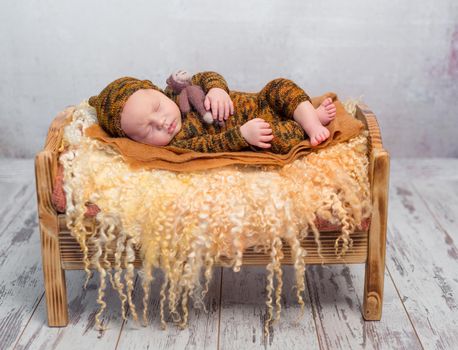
275, 103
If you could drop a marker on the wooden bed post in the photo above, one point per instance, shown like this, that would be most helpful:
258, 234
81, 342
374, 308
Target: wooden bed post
379, 172
375, 265
54, 274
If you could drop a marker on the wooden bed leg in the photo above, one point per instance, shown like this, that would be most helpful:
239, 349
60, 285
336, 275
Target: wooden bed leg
54, 274
375, 264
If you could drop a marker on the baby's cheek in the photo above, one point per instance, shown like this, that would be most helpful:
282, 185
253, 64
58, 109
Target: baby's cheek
160, 139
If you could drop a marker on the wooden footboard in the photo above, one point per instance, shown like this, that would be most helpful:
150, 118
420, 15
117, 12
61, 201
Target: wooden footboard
60, 251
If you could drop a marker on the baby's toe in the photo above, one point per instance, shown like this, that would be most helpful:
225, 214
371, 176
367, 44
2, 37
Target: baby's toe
325, 102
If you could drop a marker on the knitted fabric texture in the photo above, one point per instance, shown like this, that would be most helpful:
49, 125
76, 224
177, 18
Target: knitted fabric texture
185, 223
110, 102
275, 103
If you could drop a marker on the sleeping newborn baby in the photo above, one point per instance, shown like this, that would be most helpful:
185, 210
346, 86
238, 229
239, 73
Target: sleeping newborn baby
274, 119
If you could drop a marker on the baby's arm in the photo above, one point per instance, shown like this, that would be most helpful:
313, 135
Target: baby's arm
216, 100
208, 80
229, 140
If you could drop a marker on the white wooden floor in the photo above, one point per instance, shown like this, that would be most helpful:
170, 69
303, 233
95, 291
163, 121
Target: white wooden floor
420, 299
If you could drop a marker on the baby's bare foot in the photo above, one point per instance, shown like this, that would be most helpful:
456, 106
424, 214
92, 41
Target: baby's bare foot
326, 111
308, 118
317, 133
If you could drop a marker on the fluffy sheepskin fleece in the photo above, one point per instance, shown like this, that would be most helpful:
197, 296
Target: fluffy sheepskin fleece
183, 223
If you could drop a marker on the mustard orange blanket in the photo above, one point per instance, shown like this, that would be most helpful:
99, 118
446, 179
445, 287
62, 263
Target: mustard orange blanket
138, 155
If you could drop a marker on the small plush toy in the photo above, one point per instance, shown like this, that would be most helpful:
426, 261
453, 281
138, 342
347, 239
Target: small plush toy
189, 94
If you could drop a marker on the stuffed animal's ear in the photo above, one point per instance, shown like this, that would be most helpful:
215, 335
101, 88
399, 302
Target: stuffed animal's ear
169, 81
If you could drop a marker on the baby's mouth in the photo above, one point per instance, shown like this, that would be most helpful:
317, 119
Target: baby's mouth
172, 127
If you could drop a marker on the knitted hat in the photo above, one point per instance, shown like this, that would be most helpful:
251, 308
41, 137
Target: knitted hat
110, 102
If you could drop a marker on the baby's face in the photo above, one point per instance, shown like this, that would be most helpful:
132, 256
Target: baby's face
150, 117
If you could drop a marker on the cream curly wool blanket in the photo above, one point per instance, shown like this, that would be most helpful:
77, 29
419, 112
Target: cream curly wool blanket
183, 223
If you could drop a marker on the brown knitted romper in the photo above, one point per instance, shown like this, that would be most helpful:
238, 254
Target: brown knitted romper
275, 103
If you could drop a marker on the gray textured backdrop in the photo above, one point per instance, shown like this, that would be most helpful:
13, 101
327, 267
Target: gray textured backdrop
400, 56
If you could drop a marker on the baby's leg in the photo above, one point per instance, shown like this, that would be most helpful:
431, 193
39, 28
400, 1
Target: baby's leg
287, 134
282, 96
287, 99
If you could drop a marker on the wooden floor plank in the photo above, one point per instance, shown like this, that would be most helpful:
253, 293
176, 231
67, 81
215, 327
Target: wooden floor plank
441, 199
80, 332
13, 170
424, 168
243, 311
17, 190
202, 332
337, 292
17, 186
13, 197
21, 278
424, 273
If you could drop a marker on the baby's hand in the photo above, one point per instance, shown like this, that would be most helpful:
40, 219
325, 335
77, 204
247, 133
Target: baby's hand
220, 103
257, 132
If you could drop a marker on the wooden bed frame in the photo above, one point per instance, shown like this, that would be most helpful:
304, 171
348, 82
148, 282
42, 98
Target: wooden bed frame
60, 251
